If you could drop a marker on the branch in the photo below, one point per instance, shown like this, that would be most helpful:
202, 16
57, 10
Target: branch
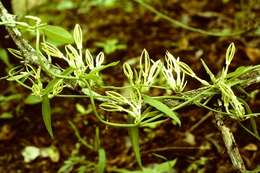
230, 144
26, 49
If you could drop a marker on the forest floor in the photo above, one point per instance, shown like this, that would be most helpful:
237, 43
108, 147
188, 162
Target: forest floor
195, 142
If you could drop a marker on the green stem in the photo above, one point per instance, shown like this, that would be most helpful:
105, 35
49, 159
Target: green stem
190, 100
80, 139
184, 26
151, 119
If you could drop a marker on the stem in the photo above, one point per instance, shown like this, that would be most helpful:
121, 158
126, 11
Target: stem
190, 100
230, 144
80, 139
184, 26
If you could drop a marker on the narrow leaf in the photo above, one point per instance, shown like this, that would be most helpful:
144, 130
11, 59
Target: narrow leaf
240, 71
4, 57
101, 161
102, 67
162, 107
154, 124
57, 34
134, 137
32, 99
165, 166
46, 114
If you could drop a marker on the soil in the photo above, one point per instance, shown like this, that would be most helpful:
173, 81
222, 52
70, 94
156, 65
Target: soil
139, 29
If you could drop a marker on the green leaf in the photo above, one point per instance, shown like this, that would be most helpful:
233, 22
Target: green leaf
82, 169
10, 97
46, 114
80, 108
6, 115
257, 31
240, 71
154, 124
57, 34
66, 5
110, 45
32, 99
165, 166
102, 67
93, 74
134, 137
50, 87
162, 107
4, 57
101, 161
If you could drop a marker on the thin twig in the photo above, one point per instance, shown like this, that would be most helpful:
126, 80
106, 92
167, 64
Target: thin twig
204, 118
175, 148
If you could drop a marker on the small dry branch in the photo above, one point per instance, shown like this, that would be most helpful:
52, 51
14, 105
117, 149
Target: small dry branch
230, 144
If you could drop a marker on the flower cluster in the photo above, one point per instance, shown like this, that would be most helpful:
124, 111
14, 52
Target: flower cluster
117, 102
173, 74
74, 56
